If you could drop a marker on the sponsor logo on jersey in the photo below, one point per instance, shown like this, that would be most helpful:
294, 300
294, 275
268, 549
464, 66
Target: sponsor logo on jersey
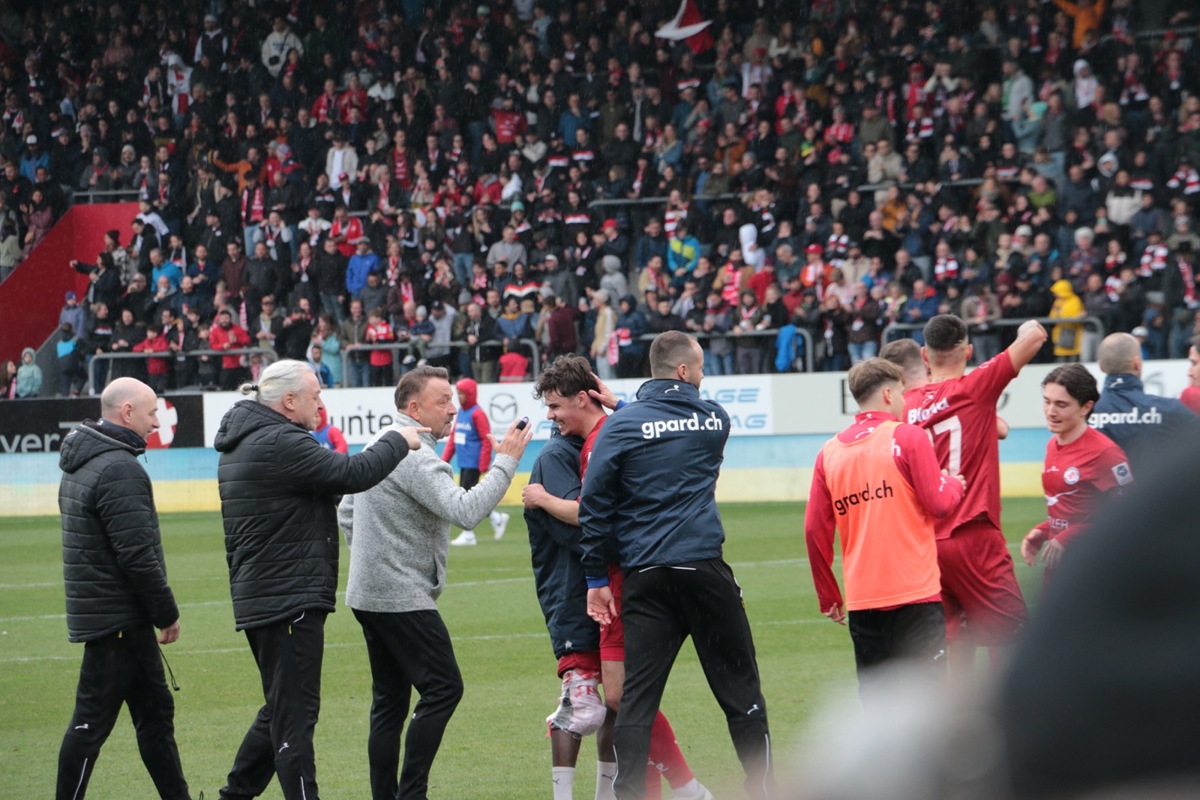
918, 415
868, 493
654, 429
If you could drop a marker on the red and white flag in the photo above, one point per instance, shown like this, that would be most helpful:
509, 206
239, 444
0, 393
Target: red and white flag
688, 26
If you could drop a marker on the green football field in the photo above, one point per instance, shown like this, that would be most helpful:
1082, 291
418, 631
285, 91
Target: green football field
496, 745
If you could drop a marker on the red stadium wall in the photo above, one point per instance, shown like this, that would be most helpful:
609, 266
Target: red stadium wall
33, 295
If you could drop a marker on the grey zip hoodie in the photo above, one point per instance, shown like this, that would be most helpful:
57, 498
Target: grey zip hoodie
399, 530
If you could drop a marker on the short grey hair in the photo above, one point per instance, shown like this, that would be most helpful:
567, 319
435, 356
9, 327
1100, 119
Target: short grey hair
280, 378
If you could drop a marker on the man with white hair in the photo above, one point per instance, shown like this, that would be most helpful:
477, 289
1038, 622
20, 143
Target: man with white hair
279, 490
117, 592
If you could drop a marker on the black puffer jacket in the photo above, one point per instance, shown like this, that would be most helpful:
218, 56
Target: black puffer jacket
279, 491
113, 566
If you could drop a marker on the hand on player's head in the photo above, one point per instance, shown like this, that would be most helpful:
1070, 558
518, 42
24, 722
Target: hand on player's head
602, 394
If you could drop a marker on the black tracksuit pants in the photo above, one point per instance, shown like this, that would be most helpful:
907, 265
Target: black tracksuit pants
408, 651
280, 740
660, 607
123, 668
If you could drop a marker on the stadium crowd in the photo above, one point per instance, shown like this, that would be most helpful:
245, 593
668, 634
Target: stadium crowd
317, 177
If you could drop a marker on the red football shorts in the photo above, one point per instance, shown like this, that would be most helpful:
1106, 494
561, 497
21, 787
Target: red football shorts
612, 636
979, 586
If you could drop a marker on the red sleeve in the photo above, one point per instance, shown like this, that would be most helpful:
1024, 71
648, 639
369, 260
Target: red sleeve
917, 461
989, 379
1112, 473
338, 441
482, 429
448, 453
819, 526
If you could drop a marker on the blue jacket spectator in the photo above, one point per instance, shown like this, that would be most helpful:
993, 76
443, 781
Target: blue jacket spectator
357, 268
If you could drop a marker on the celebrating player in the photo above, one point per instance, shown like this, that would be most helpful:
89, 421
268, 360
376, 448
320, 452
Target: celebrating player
959, 411
1081, 464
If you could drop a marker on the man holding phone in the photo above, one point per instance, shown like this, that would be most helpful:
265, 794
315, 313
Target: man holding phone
399, 535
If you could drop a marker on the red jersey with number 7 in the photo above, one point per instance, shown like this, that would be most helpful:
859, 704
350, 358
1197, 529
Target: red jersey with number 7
960, 415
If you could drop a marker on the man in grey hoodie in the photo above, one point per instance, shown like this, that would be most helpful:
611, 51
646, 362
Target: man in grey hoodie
399, 537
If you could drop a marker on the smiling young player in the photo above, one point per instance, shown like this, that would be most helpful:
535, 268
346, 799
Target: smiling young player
1082, 465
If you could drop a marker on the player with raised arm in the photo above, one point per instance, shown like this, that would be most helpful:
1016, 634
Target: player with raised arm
979, 586
1082, 465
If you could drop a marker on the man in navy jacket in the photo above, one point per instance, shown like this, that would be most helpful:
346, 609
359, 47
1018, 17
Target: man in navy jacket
649, 496
1146, 426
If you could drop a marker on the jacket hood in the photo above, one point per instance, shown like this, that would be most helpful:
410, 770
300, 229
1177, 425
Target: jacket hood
31, 352
92, 439
243, 419
611, 264
1063, 290
470, 391
665, 387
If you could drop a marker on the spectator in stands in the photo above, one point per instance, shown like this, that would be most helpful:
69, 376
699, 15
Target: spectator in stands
226, 335
158, 368
8, 380
72, 313
29, 375
37, 217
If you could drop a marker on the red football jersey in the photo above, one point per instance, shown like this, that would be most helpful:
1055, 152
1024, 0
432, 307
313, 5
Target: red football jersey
960, 415
589, 441
1191, 398
1074, 478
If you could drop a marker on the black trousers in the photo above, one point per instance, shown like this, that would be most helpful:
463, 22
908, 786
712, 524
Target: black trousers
280, 740
122, 668
660, 608
408, 651
915, 633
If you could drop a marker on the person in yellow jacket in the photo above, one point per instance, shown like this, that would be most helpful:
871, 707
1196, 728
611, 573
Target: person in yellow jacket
1068, 339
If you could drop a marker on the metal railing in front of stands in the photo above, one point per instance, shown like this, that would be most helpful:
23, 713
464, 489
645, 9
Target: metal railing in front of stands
535, 360
768, 333
91, 196
1092, 323
650, 201
269, 354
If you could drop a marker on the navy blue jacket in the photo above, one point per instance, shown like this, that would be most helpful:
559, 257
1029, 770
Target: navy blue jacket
651, 482
1146, 426
554, 545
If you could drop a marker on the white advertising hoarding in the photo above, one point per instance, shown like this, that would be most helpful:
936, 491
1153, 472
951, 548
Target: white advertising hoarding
758, 405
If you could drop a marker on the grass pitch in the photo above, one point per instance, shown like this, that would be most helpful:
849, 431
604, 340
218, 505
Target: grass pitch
495, 747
